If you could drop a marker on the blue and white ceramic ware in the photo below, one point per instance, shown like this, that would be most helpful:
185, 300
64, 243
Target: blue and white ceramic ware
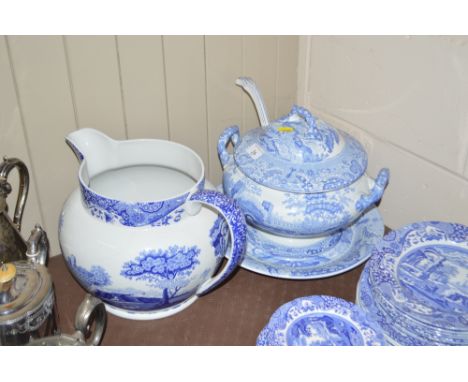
320, 321
416, 284
312, 258
144, 232
297, 176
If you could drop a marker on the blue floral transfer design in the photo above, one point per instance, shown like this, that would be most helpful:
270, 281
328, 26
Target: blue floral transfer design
133, 300
98, 282
172, 218
235, 219
298, 176
416, 283
399, 329
296, 214
334, 254
229, 134
93, 278
296, 153
320, 321
167, 270
377, 191
423, 273
129, 214
219, 235
299, 137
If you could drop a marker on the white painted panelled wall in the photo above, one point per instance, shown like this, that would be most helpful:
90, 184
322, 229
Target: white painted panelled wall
406, 99
171, 87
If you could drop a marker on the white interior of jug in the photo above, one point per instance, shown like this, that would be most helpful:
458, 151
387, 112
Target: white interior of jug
143, 171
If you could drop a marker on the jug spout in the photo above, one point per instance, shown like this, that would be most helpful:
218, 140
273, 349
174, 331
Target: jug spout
87, 141
93, 146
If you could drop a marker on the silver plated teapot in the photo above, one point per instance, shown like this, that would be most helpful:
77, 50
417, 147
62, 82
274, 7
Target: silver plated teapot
90, 324
28, 312
13, 247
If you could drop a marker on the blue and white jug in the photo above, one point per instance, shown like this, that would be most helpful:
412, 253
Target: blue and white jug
144, 232
297, 176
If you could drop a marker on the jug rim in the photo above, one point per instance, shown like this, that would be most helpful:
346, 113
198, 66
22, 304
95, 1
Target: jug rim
130, 211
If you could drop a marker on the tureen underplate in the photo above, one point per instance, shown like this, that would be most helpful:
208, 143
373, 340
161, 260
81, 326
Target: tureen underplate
420, 272
320, 321
342, 251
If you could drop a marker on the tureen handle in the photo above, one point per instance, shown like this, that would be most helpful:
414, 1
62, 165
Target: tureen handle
377, 191
251, 88
229, 134
235, 219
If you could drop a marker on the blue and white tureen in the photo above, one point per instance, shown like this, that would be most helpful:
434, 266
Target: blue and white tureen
297, 176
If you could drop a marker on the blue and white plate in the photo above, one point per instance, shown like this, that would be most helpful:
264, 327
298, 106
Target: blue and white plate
320, 321
419, 274
292, 258
399, 330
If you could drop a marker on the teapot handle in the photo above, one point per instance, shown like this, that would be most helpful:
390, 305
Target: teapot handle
229, 134
230, 211
377, 191
5, 188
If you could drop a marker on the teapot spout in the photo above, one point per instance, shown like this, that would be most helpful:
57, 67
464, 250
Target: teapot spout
94, 146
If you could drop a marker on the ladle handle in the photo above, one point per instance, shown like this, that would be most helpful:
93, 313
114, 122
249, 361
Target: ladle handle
6, 166
251, 88
235, 219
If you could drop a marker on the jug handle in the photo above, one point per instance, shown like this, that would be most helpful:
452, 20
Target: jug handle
231, 212
5, 168
229, 134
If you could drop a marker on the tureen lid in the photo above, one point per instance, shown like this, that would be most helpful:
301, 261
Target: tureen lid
26, 296
300, 153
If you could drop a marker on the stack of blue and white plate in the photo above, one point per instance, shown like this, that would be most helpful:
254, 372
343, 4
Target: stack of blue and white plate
415, 286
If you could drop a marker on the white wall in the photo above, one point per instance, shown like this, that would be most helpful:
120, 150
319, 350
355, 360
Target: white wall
171, 87
406, 99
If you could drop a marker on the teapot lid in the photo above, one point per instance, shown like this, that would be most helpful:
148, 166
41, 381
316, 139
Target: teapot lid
26, 296
300, 153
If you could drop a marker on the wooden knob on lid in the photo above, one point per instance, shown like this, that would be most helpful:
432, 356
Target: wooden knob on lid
7, 274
